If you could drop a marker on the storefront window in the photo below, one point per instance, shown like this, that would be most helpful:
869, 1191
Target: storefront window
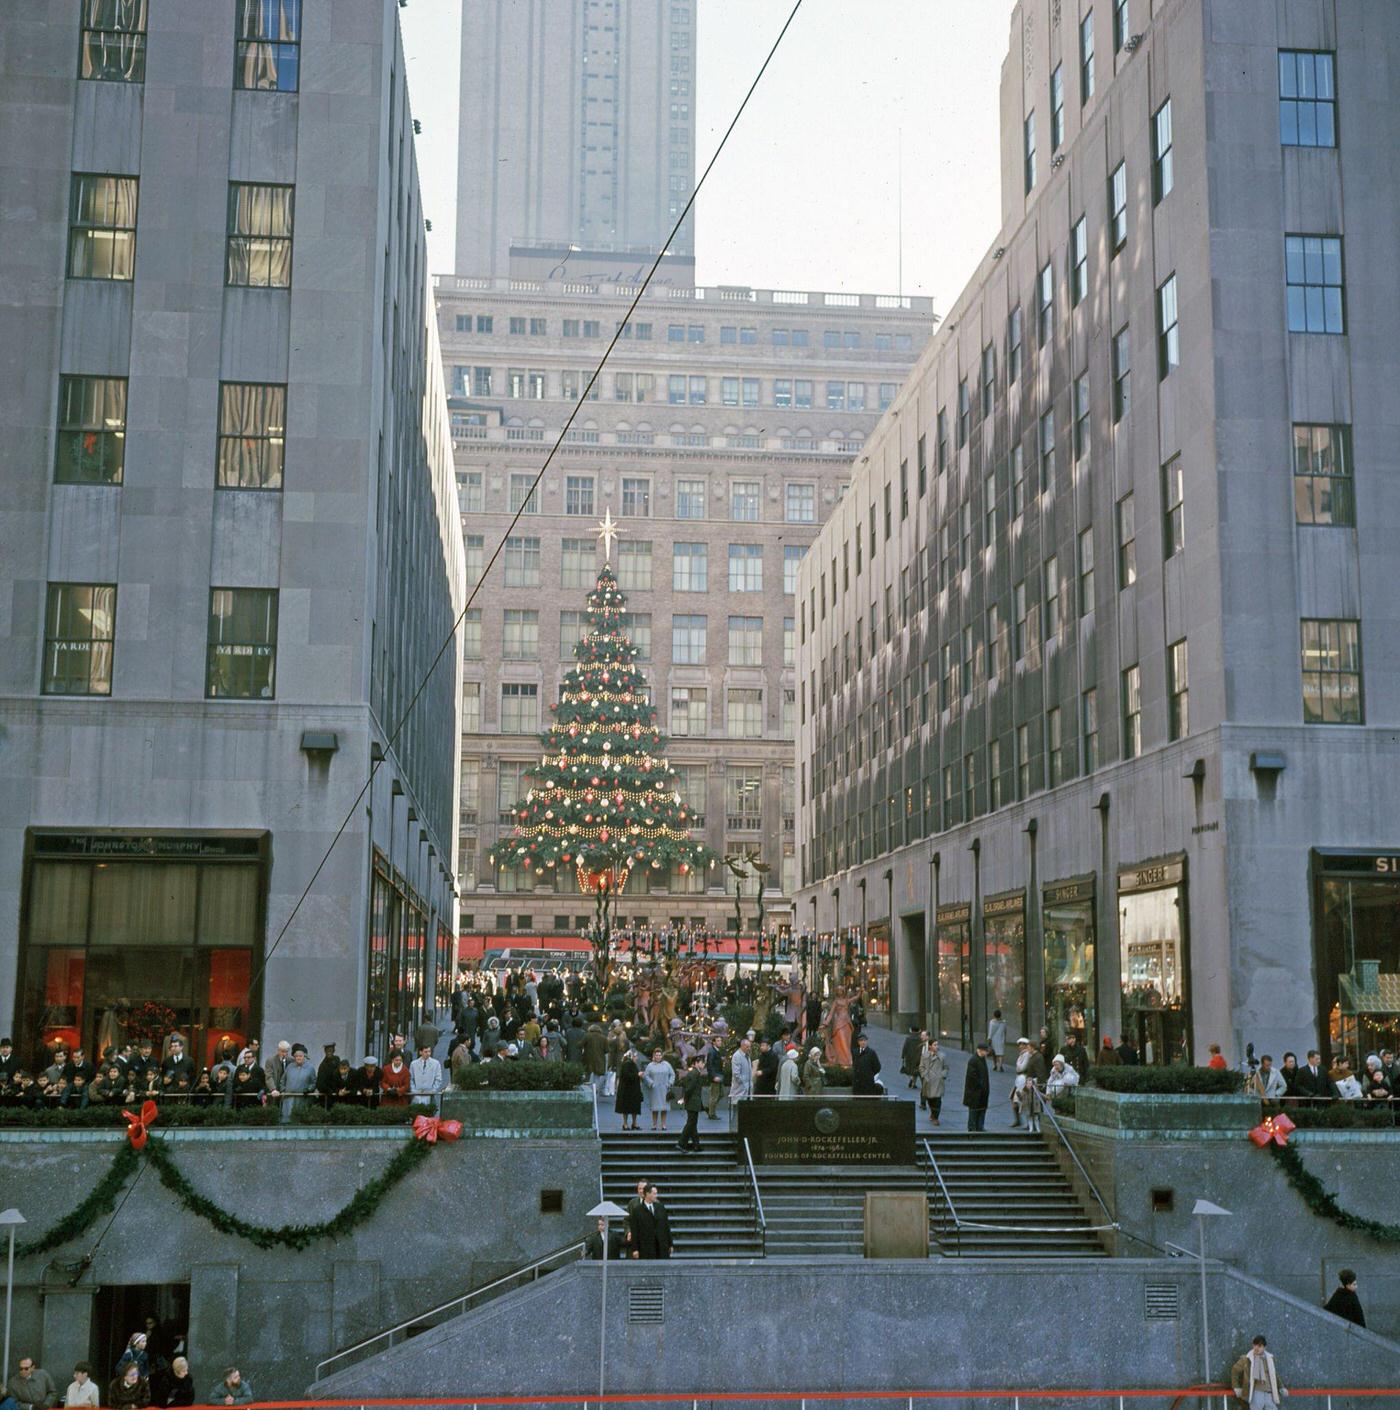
1151, 922
1067, 918
397, 956
954, 973
127, 937
1359, 955
1004, 942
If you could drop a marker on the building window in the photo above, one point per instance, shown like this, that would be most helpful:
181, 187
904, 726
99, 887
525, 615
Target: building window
471, 713
524, 498
520, 709
1057, 109
690, 499
988, 396
1089, 727
1054, 746
535, 383
1132, 713
578, 494
571, 625
1045, 305
1086, 571
1047, 451
789, 643
698, 390
729, 391
745, 714
1179, 721
91, 440
1163, 175
749, 387
1322, 480
801, 504
475, 558
1121, 32
1014, 342
887, 391
743, 500
638, 628
1079, 261
471, 491
996, 796
1173, 507
743, 810
1127, 543
690, 567
1315, 289
578, 563
102, 227
1055, 605
515, 383
782, 391
114, 41
634, 565
745, 567
793, 555
269, 49
998, 644
471, 634
690, 710
1018, 482
522, 560
520, 634
1168, 334
259, 236
79, 630
1332, 672
688, 640
481, 381
1029, 152
1122, 374
1307, 93
1023, 761
252, 435
1118, 206
242, 661
1086, 58
1081, 416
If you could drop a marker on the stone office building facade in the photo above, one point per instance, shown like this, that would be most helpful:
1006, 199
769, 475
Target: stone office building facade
229, 549
721, 434
1096, 667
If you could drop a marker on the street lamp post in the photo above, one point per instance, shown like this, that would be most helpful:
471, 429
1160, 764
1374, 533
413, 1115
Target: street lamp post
10, 1219
1203, 1210
605, 1211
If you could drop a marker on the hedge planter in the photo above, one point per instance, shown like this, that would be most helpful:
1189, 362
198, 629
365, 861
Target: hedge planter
481, 1113
1166, 1111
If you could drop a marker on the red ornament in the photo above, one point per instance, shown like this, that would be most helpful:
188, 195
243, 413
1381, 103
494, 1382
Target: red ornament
137, 1126
1275, 1129
603, 836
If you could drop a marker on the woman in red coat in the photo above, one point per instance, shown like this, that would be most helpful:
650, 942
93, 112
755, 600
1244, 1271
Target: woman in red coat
394, 1082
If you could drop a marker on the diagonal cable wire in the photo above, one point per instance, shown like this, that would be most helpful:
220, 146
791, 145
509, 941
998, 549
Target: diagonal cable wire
515, 519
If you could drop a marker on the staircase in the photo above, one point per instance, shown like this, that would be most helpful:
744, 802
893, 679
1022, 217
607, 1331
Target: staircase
1009, 1179
816, 1210
708, 1194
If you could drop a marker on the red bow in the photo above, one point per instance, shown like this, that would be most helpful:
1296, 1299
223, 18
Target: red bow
1272, 1128
434, 1128
137, 1131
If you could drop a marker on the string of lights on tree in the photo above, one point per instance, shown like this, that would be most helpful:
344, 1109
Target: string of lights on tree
604, 797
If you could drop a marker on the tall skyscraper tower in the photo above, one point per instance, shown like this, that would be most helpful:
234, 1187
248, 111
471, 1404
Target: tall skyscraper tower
576, 131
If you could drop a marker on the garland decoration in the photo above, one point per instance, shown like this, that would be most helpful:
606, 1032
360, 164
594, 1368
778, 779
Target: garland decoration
1317, 1198
102, 1200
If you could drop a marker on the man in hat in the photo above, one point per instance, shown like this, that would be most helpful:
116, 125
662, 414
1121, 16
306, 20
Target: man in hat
1254, 1378
298, 1080
9, 1059
977, 1088
765, 1077
1030, 1076
364, 1081
865, 1067
328, 1074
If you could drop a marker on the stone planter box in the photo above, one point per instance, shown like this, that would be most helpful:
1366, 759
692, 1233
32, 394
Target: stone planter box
1161, 1111
548, 1113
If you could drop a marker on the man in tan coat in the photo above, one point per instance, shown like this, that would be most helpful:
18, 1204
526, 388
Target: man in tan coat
1254, 1378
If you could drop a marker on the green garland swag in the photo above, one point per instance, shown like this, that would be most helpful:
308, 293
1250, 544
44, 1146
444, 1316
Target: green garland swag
1315, 1195
103, 1198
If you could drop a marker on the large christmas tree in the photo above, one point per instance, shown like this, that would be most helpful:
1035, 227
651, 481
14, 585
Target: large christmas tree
604, 797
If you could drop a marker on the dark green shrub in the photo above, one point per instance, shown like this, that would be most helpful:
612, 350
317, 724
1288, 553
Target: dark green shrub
521, 1075
1176, 1080
1339, 1116
1063, 1102
111, 1116
344, 1114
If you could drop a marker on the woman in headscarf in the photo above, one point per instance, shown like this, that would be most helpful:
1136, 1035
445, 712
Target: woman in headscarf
813, 1073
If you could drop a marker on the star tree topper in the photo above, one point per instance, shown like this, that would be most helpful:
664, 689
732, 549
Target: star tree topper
608, 530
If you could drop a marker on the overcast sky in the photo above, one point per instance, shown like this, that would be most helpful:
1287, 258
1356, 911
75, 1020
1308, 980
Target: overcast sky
806, 195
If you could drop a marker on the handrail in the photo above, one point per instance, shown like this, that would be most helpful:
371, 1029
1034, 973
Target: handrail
360, 1349
757, 1199
947, 1197
1047, 1109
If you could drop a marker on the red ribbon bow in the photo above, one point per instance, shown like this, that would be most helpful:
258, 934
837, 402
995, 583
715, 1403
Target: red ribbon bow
434, 1128
137, 1129
1273, 1129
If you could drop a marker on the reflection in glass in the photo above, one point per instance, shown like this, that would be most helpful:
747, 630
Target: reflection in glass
1361, 946
1154, 974
1005, 942
1069, 973
954, 981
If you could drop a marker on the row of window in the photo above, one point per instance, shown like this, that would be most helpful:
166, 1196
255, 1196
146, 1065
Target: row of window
267, 43
689, 713
80, 640
690, 564
102, 231
833, 339
520, 637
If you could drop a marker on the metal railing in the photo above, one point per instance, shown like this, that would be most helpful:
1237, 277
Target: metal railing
412, 1326
757, 1202
945, 1198
1047, 1110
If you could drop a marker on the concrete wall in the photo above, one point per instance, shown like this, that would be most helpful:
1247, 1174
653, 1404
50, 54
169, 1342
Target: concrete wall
784, 1325
468, 1214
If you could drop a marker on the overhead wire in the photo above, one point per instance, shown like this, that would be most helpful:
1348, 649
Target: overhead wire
526, 499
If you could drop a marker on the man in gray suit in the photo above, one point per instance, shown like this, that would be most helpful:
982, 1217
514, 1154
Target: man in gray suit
741, 1072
